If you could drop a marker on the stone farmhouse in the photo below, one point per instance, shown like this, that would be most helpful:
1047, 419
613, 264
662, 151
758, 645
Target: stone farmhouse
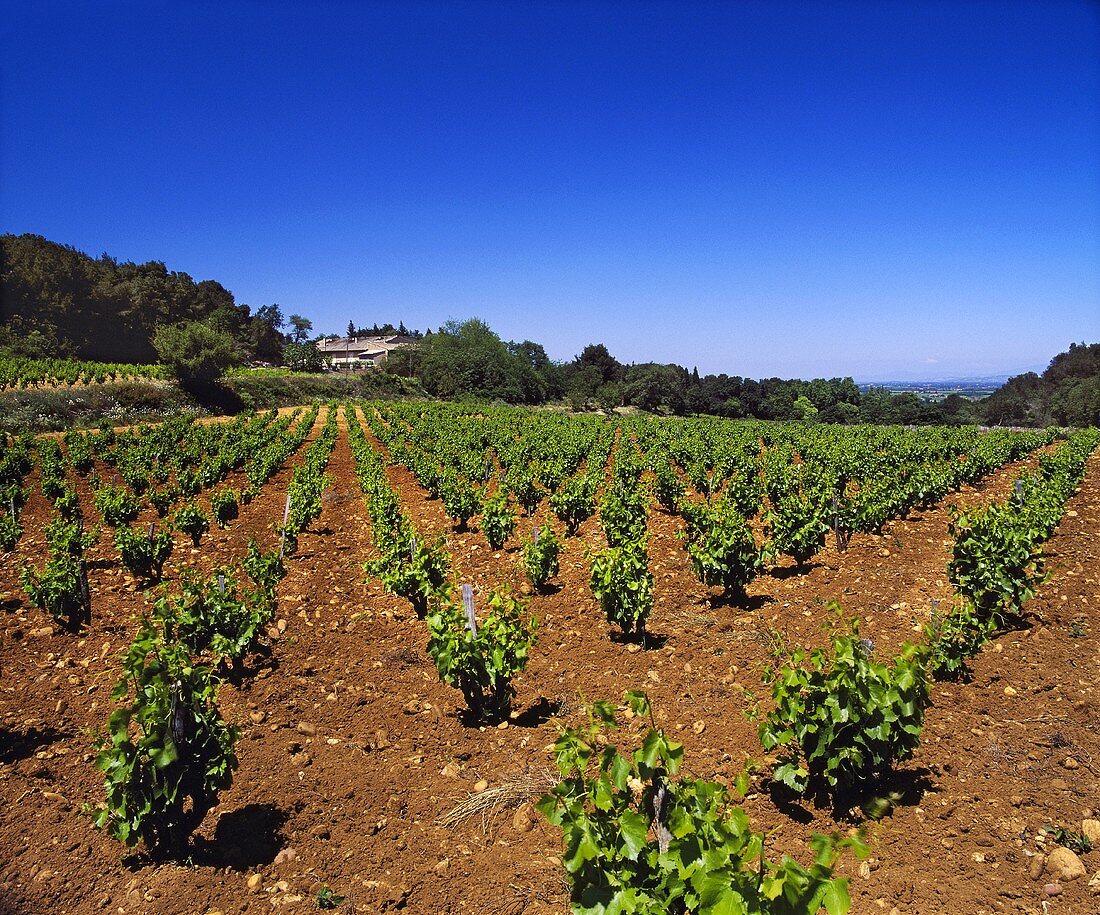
350, 353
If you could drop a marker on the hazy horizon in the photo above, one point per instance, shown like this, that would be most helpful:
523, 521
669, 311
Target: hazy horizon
894, 191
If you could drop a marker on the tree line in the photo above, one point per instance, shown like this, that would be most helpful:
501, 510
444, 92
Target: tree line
468, 359
1066, 394
58, 301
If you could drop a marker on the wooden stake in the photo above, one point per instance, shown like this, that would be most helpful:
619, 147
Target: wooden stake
836, 520
664, 835
286, 514
468, 603
85, 592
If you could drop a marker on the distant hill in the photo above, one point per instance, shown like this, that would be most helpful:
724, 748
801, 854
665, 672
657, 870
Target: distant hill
988, 382
1066, 394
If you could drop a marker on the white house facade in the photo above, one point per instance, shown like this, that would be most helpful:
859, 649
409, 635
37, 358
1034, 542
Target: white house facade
348, 353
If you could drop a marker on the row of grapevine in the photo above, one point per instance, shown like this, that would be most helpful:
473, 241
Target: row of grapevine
620, 577
60, 586
481, 659
168, 752
20, 372
997, 555
456, 458
815, 481
186, 462
308, 483
807, 480
16, 461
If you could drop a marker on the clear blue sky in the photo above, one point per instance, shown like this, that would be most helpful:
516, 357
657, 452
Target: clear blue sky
877, 189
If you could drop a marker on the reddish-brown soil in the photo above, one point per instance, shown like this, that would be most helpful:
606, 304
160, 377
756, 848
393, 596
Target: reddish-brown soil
352, 749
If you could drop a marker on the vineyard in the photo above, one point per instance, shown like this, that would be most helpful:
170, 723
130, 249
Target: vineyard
405, 656
17, 372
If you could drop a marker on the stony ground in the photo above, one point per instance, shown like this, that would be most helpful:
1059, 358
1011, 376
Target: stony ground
352, 750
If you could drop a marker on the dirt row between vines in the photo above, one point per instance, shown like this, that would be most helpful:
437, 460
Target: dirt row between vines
351, 749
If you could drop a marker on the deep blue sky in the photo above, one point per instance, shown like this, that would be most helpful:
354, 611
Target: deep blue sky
877, 189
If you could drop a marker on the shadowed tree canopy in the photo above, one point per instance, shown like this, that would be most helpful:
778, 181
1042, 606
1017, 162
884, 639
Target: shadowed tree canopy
468, 359
99, 308
1067, 393
597, 356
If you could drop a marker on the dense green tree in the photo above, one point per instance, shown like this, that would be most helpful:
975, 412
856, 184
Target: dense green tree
654, 387
779, 398
535, 355
804, 408
1077, 403
195, 353
300, 328
843, 412
1078, 362
582, 381
303, 357
1065, 393
905, 409
405, 360
468, 359
597, 355
265, 333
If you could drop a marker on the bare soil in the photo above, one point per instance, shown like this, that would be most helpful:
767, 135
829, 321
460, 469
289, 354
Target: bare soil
352, 750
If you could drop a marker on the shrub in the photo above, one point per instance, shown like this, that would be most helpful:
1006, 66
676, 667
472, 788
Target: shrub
724, 553
144, 553
194, 352
669, 488
419, 575
214, 615
954, 637
67, 502
66, 536
540, 555
481, 660
573, 504
10, 532
623, 514
117, 505
192, 520
60, 589
845, 718
799, 520
265, 569
223, 505
622, 583
996, 560
163, 499
168, 752
461, 500
526, 490
638, 839
498, 522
